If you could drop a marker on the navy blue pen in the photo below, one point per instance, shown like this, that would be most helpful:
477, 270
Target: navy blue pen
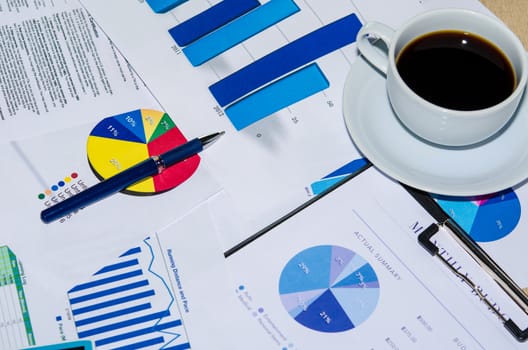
149, 167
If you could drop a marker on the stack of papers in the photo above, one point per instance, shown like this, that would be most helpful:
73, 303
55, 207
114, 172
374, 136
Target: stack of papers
148, 270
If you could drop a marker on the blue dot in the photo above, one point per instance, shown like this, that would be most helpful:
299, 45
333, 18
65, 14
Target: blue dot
61, 183
58, 318
54, 188
241, 288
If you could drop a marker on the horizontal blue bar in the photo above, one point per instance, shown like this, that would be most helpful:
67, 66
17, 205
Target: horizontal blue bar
113, 302
107, 280
277, 96
239, 30
110, 291
161, 6
286, 59
338, 175
123, 324
132, 251
320, 186
349, 168
210, 20
142, 344
117, 266
185, 346
109, 315
139, 332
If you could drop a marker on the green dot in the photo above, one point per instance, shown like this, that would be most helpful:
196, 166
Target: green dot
41, 196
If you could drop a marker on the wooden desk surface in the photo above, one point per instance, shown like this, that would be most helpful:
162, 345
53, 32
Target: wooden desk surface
514, 13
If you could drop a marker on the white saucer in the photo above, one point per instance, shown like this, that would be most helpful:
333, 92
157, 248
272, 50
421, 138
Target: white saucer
487, 168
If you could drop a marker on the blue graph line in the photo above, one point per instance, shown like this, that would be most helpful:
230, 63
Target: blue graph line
175, 335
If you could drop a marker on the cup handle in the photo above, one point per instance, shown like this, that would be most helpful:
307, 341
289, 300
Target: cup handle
374, 55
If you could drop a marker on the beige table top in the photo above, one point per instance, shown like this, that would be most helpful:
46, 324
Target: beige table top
514, 13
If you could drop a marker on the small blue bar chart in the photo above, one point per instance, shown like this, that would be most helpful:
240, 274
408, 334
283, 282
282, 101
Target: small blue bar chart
129, 304
275, 81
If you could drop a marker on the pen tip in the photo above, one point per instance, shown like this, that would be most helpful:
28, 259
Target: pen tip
210, 139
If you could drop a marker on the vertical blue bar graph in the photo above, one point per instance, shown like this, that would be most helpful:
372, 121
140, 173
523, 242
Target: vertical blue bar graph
209, 20
276, 96
239, 30
286, 59
161, 6
129, 304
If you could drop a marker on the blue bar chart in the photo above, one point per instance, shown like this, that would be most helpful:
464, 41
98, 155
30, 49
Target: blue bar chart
275, 81
129, 304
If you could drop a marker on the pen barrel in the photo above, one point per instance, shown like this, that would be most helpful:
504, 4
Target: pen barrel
103, 189
181, 153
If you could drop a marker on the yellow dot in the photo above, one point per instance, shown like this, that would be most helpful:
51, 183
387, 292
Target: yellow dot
67, 179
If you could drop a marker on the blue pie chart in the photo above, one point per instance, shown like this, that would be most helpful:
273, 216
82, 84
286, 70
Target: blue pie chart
329, 288
485, 218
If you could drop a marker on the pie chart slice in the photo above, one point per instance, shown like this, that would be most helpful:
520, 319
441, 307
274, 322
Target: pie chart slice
118, 142
329, 289
485, 218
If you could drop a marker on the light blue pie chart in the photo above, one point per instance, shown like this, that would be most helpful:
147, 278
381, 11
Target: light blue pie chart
329, 288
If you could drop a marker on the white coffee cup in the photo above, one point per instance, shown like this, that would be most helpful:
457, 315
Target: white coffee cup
434, 123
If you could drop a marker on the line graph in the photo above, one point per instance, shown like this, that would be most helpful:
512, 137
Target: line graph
129, 304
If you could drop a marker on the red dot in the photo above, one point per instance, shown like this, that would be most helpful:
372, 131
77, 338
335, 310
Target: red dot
74, 175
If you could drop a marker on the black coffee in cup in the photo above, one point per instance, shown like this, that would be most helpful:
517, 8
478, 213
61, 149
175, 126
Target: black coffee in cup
456, 70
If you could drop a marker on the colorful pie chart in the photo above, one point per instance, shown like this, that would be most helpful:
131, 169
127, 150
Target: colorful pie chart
485, 218
118, 142
329, 289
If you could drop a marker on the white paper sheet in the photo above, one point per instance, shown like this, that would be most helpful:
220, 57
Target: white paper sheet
353, 256
267, 168
160, 280
58, 69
